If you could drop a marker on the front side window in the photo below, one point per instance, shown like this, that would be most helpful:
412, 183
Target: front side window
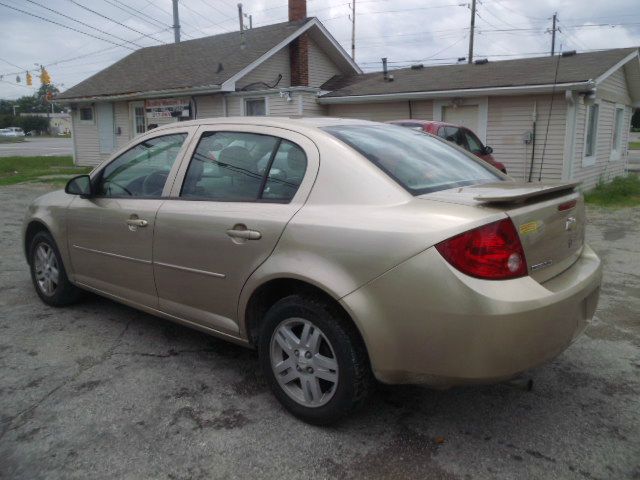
255, 107
143, 170
237, 166
473, 142
419, 163
592, 130
617, 131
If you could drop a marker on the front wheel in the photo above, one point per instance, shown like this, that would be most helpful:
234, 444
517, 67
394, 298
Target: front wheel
48, 274
314, 359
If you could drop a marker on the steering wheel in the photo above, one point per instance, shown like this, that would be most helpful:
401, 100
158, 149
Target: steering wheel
153, 184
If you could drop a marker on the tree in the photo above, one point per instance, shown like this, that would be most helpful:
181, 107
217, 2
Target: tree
28, 123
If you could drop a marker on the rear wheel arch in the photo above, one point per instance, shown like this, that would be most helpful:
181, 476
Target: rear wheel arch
267, 294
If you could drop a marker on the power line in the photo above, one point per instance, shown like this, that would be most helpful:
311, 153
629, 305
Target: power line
115, 21
147, 18
65, 26
82, 23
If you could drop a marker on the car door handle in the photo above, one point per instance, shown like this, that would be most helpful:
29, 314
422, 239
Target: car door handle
137, 222
244, 234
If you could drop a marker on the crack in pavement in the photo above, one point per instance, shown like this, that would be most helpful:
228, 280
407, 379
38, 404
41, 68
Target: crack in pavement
6, 423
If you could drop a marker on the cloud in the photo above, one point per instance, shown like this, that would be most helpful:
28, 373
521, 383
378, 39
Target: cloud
404, 31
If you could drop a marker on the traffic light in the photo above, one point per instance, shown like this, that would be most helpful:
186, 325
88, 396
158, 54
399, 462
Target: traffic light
45, 79
29, 79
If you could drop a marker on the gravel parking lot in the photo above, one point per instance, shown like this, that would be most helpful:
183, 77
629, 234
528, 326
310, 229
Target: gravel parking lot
100, 390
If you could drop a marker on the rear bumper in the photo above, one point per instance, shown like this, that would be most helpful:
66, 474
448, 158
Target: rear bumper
426, 322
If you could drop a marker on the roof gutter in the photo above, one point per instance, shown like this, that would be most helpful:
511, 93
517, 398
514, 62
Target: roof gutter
470, 92
173, 92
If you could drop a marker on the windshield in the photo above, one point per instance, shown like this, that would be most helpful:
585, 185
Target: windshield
418, 162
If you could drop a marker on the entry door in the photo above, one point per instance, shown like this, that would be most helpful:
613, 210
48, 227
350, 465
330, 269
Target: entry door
111, 234
106, 133
224, 220
464, 115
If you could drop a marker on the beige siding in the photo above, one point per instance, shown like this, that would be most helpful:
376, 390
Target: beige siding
234, 106
269, 70
510, 117
605, 167
422, 109
278, 106
379, 112
321, 67
611, 93
210, 106
615, 88
310, 105
122, 124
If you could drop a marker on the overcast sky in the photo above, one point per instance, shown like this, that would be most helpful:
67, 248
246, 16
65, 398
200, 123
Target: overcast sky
405, 31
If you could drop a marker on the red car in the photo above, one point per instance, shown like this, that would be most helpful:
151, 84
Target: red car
457, 134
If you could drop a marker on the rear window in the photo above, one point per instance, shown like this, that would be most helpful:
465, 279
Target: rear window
419, 163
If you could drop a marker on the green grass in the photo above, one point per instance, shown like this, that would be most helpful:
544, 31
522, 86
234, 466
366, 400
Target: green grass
36, 170
621, 192
634, 145
11, 139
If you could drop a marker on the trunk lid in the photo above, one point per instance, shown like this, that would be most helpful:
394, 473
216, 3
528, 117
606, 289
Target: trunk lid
549, 218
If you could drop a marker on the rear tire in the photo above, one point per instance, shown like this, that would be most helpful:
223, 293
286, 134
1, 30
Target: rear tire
314, 360
48, 274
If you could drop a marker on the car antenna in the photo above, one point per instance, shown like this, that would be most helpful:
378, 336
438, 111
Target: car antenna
546, 133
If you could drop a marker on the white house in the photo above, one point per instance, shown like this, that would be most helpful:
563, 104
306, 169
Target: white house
564, 117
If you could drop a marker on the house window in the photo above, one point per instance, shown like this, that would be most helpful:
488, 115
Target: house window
255, 107
592, 131
616, 144
86, 114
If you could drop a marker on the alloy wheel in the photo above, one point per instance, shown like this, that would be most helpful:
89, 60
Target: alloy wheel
47, 271
304, 362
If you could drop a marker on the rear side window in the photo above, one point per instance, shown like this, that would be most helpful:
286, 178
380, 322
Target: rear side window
237, 166
419, 163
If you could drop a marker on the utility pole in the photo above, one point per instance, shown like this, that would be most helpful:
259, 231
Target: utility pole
472, 30
176, 22
240, 17
553, 34
250, 22
353, 30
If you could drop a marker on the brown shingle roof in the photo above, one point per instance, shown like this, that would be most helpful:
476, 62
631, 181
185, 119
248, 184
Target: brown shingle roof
507, 73
192, 63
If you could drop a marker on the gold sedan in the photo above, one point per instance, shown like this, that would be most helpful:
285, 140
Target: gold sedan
344, 251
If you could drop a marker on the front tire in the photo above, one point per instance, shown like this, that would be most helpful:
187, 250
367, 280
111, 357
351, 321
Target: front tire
48, 274
314, 360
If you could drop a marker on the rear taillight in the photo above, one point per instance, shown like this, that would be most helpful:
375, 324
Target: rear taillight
491, 252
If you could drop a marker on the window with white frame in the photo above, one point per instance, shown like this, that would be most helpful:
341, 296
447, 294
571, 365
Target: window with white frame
255, 107
616, 143
591, 133
86, 114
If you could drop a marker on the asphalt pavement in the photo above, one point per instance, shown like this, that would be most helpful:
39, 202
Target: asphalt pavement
102, 391
37, 146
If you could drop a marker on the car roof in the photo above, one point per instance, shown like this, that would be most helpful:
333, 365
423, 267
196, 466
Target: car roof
427, 122
293, 122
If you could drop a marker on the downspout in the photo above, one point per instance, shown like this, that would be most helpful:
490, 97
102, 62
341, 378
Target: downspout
410, 110
572, 106
533, 140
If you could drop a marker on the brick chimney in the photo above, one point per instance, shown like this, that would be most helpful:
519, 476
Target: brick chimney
299, 48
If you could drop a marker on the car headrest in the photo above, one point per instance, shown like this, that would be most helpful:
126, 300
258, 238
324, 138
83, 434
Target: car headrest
238, 157
296, 160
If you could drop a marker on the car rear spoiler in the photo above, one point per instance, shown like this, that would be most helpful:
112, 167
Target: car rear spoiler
506, 192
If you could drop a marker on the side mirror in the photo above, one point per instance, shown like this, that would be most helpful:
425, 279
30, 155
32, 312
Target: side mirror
488, 150
80, 185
